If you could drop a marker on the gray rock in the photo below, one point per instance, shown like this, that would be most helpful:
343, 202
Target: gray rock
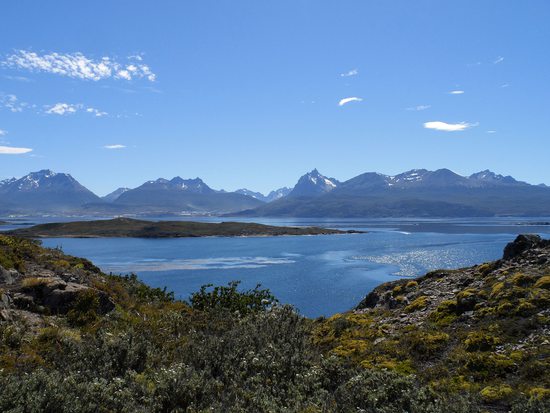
8, 277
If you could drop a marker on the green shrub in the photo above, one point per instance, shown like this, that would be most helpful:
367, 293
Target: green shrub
230, 299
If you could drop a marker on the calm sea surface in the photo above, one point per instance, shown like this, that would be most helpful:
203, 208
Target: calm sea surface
320, 275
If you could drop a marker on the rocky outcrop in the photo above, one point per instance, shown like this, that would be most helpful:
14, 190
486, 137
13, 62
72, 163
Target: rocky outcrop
524, 243
55, 296
47, 283
8, 277
484, 329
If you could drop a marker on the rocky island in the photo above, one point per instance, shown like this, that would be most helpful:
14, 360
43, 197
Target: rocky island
452, 341
133, 228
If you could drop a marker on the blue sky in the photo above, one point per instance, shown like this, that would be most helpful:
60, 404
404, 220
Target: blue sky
248, 93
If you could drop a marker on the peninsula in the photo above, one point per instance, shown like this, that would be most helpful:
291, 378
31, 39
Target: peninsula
133, 228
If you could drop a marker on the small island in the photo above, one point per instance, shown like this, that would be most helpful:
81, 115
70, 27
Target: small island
133, 228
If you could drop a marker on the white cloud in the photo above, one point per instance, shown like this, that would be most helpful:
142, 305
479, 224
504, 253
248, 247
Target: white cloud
348, 100
62, 109
11, 103
498, 60
352, 72
419, 107
491, 131
77, 65
117, 146
96, 112
3, 132
447, 127
69, 108
9, 150
456, 92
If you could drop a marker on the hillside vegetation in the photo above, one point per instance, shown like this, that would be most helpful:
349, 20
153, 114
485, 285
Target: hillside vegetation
74, 339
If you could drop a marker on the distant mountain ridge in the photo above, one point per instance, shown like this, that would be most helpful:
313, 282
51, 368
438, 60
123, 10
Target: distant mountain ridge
272, 196
45, 191
414, 193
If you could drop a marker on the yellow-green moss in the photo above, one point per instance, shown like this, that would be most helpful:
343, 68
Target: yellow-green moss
397, 290
480, 341
445, 313
543, 282
496, 393
418, 304
521, 279
497, 289
412, 284
539, 393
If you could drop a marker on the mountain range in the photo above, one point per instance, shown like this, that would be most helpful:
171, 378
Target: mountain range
415, 193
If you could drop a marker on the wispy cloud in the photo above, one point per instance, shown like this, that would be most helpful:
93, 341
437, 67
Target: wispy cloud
3, 132
10, 150
419, 107
96, 112
505, 85
18, 78
498, 60
345, 101
11, 103
62, 109
352, 72
79, 66
448, 127
491, 131
116, 146
69, 108
456, 92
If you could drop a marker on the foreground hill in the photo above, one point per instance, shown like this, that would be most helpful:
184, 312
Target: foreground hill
133, 228
74, 339
484, 329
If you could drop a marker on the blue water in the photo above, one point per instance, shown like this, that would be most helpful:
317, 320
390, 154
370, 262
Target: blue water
320, 275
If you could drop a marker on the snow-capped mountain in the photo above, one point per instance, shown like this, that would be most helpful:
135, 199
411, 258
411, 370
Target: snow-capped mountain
256, 195
115, 194
45, 191
489, 177
7, 181
313, 184
178, 184
415, 193
272, 196
179, 195
278, 194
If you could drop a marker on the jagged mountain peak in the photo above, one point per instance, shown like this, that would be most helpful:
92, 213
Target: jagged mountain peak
314, 183
492, 177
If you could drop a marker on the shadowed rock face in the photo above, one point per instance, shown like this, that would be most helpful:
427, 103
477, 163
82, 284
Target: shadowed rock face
523, 243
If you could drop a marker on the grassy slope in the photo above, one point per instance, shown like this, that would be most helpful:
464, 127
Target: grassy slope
125, 227
228, 351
